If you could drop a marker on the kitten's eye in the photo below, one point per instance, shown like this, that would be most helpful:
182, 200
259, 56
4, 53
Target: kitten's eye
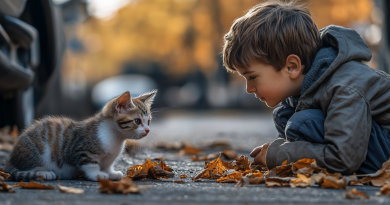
252, 77
137, 121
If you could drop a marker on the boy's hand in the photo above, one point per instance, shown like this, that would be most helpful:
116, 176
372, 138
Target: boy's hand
259, 153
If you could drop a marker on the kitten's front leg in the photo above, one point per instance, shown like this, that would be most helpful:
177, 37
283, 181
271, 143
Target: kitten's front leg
114, 175
93, 173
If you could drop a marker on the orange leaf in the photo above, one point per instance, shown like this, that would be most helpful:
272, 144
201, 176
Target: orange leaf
5, 175
285, 163
183, 176
229, 154
150, 169
351, 194
333, 183
34, 185
385, 190
233, 177
124, 186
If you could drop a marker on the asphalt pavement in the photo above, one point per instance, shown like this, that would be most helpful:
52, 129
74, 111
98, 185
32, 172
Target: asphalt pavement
243, 130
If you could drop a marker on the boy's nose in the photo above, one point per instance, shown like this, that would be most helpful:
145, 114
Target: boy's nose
250, 89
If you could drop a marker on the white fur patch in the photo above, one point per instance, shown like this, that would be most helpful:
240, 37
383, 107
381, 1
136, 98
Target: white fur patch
65, 172
111, 143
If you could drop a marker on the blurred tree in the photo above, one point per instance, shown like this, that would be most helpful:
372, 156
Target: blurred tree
180, 35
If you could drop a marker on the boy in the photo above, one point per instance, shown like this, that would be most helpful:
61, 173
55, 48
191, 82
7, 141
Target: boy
328, 105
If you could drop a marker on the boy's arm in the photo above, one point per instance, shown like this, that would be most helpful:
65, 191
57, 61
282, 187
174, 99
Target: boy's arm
281, 114
347, 130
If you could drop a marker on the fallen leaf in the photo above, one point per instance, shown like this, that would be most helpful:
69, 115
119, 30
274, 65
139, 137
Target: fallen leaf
33, 185
301, 181
211, 156
317, 178
333, 183
285, 162
351, 194
4, 175
242, 163
14, 132
171, 145
215, 169
183, 176
150, 170
189, 150
158, 159
379, 178
179, 182
385, 190
233, 177
277, 181
229, 154
123, 186
284, 171
70, 190
6, 188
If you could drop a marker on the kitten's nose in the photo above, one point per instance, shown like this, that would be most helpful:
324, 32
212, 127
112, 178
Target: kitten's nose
147, 130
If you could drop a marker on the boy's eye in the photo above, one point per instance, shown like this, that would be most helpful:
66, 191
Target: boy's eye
252, 77
137, 121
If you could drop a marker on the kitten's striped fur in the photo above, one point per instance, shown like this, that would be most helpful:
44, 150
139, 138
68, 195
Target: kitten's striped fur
56, 147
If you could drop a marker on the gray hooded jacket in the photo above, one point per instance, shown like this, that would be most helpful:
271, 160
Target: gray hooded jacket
351, 95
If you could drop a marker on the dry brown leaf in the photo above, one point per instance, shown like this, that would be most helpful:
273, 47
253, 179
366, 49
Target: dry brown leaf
33, 185
333, 183
183, 176
379, 179
234, 177
4, 175
229, 154
5, 187
284, 171
242, 163
285, 162
215, 169
158, 159
171, 146
151, 170
385, 190
211, 156
351, 194
179, 182
15, 132
123, 186
70, 190
301, 181
317, 178
277, 181
189, 150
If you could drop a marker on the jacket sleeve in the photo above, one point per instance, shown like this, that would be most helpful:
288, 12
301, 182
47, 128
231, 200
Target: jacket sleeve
347, 130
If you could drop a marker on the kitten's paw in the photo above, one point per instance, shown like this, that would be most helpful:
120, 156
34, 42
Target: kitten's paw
95, 176
116, 175
45, 175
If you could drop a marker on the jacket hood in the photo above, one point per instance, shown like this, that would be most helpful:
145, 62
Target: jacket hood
350, 47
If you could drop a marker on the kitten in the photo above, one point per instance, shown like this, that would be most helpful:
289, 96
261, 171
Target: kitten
56, 147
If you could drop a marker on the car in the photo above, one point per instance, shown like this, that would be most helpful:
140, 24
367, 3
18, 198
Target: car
31, 49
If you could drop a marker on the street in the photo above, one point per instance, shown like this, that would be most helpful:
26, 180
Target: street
244, 130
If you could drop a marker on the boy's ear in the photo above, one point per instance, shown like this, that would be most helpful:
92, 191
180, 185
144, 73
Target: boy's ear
124, 103
148, 98
294, 66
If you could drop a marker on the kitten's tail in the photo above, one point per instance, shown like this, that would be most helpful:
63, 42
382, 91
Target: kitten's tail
17, 175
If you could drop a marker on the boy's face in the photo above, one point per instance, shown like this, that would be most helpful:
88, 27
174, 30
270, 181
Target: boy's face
268, 84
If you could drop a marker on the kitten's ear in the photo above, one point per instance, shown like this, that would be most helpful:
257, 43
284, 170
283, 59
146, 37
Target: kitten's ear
124, 103
148, 98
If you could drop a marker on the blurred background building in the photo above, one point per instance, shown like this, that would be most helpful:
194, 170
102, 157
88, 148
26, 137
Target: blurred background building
174, 46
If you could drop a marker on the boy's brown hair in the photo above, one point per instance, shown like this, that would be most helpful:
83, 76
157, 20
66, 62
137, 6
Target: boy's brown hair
269, 33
